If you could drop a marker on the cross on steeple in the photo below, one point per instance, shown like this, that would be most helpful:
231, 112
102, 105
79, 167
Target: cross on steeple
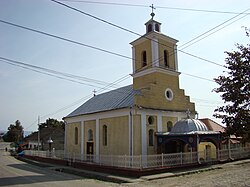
94, 93
152, 14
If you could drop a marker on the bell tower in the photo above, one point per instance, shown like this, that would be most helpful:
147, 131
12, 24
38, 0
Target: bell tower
155, 71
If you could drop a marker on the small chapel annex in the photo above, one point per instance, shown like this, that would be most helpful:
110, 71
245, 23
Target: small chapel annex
131, 119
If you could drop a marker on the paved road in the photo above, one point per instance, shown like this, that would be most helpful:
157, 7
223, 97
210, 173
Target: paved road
17, 173
14, 172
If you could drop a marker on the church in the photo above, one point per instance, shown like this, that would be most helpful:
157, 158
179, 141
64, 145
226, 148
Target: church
132, 120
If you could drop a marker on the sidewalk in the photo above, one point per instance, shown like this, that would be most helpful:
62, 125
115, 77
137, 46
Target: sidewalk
121, 179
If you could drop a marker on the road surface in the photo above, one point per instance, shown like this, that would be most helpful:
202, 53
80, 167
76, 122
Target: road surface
14, 172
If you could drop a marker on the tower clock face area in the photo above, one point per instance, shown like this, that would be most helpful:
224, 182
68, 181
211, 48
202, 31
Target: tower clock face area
169, 94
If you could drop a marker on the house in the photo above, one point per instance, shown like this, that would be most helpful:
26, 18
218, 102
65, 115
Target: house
132, 119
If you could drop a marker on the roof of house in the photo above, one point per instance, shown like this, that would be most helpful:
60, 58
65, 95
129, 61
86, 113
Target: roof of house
212, 125
116, 99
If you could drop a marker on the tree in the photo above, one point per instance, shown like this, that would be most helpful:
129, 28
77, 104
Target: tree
50, 123
14, 133
235, 91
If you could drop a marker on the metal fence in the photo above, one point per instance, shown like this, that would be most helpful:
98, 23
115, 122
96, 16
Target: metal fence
147, 161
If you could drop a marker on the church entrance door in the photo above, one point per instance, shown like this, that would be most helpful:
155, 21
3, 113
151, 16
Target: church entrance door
90, 151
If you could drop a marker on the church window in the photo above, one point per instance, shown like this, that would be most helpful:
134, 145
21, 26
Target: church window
76, 135
169, 126
149, 28
166, 56
105, 133
151, 137
157, 28
150, 120
144, 58
169, 94
90, 135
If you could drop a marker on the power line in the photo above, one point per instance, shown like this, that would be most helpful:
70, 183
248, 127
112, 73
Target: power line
64, 39
85, 45
146, 6
56, 74
127, 30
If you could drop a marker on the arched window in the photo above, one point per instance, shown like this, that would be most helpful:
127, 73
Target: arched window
169, 126
151, 137
157, 28
144, 58
90, 135
166, 63
76, 135
105, 135
149, 28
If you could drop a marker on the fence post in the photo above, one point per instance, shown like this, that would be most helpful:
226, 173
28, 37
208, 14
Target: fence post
181, 158
162, 163
141, 162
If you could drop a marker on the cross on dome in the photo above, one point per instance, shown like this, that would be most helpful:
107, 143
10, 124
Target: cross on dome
152, 14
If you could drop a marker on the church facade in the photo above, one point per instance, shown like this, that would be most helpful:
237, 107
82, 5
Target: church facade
126, 121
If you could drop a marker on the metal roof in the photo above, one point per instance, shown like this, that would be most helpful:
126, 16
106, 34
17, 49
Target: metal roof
189, 125
120, 98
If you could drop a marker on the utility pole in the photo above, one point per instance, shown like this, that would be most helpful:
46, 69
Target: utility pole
38, 146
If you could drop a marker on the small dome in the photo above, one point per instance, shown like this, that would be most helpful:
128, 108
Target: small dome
188, 125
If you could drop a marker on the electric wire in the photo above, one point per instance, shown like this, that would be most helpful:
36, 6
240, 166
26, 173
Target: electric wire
127, 30
92, 47
146, 6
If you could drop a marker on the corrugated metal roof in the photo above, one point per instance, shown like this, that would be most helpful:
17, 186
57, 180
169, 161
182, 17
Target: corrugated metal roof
115, 99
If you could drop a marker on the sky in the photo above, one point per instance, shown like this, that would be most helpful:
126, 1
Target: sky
26, 94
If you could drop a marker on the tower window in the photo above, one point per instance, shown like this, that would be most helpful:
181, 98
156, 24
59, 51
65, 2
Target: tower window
157, 28
76, 135
169, 94
105, 133
144, 58
151, 137
149, 28
166, 63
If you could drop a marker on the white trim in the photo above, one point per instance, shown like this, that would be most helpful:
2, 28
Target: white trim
175, 58
155, 52
159, 123
129, 134
143, 134
155, 69
82, 142
133, 60
97, 137
101, 115
65, 138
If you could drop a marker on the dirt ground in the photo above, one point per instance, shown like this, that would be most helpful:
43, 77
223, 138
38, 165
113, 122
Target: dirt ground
230, 175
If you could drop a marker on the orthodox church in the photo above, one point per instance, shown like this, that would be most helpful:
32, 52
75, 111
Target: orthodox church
138, 118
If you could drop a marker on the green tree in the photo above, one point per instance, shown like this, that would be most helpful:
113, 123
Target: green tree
50, 123
234, 88
14, 133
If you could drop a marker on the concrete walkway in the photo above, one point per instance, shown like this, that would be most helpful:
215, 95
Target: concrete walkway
121, 179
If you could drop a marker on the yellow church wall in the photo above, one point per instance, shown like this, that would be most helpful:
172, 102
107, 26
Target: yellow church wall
70, 136
165, 120
169, 47
117, 136
137, 134
204, 148
153, 126
89, 125
153, 88
146, 46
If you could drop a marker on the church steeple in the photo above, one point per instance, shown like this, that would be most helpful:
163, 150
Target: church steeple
152, 25
155, 70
